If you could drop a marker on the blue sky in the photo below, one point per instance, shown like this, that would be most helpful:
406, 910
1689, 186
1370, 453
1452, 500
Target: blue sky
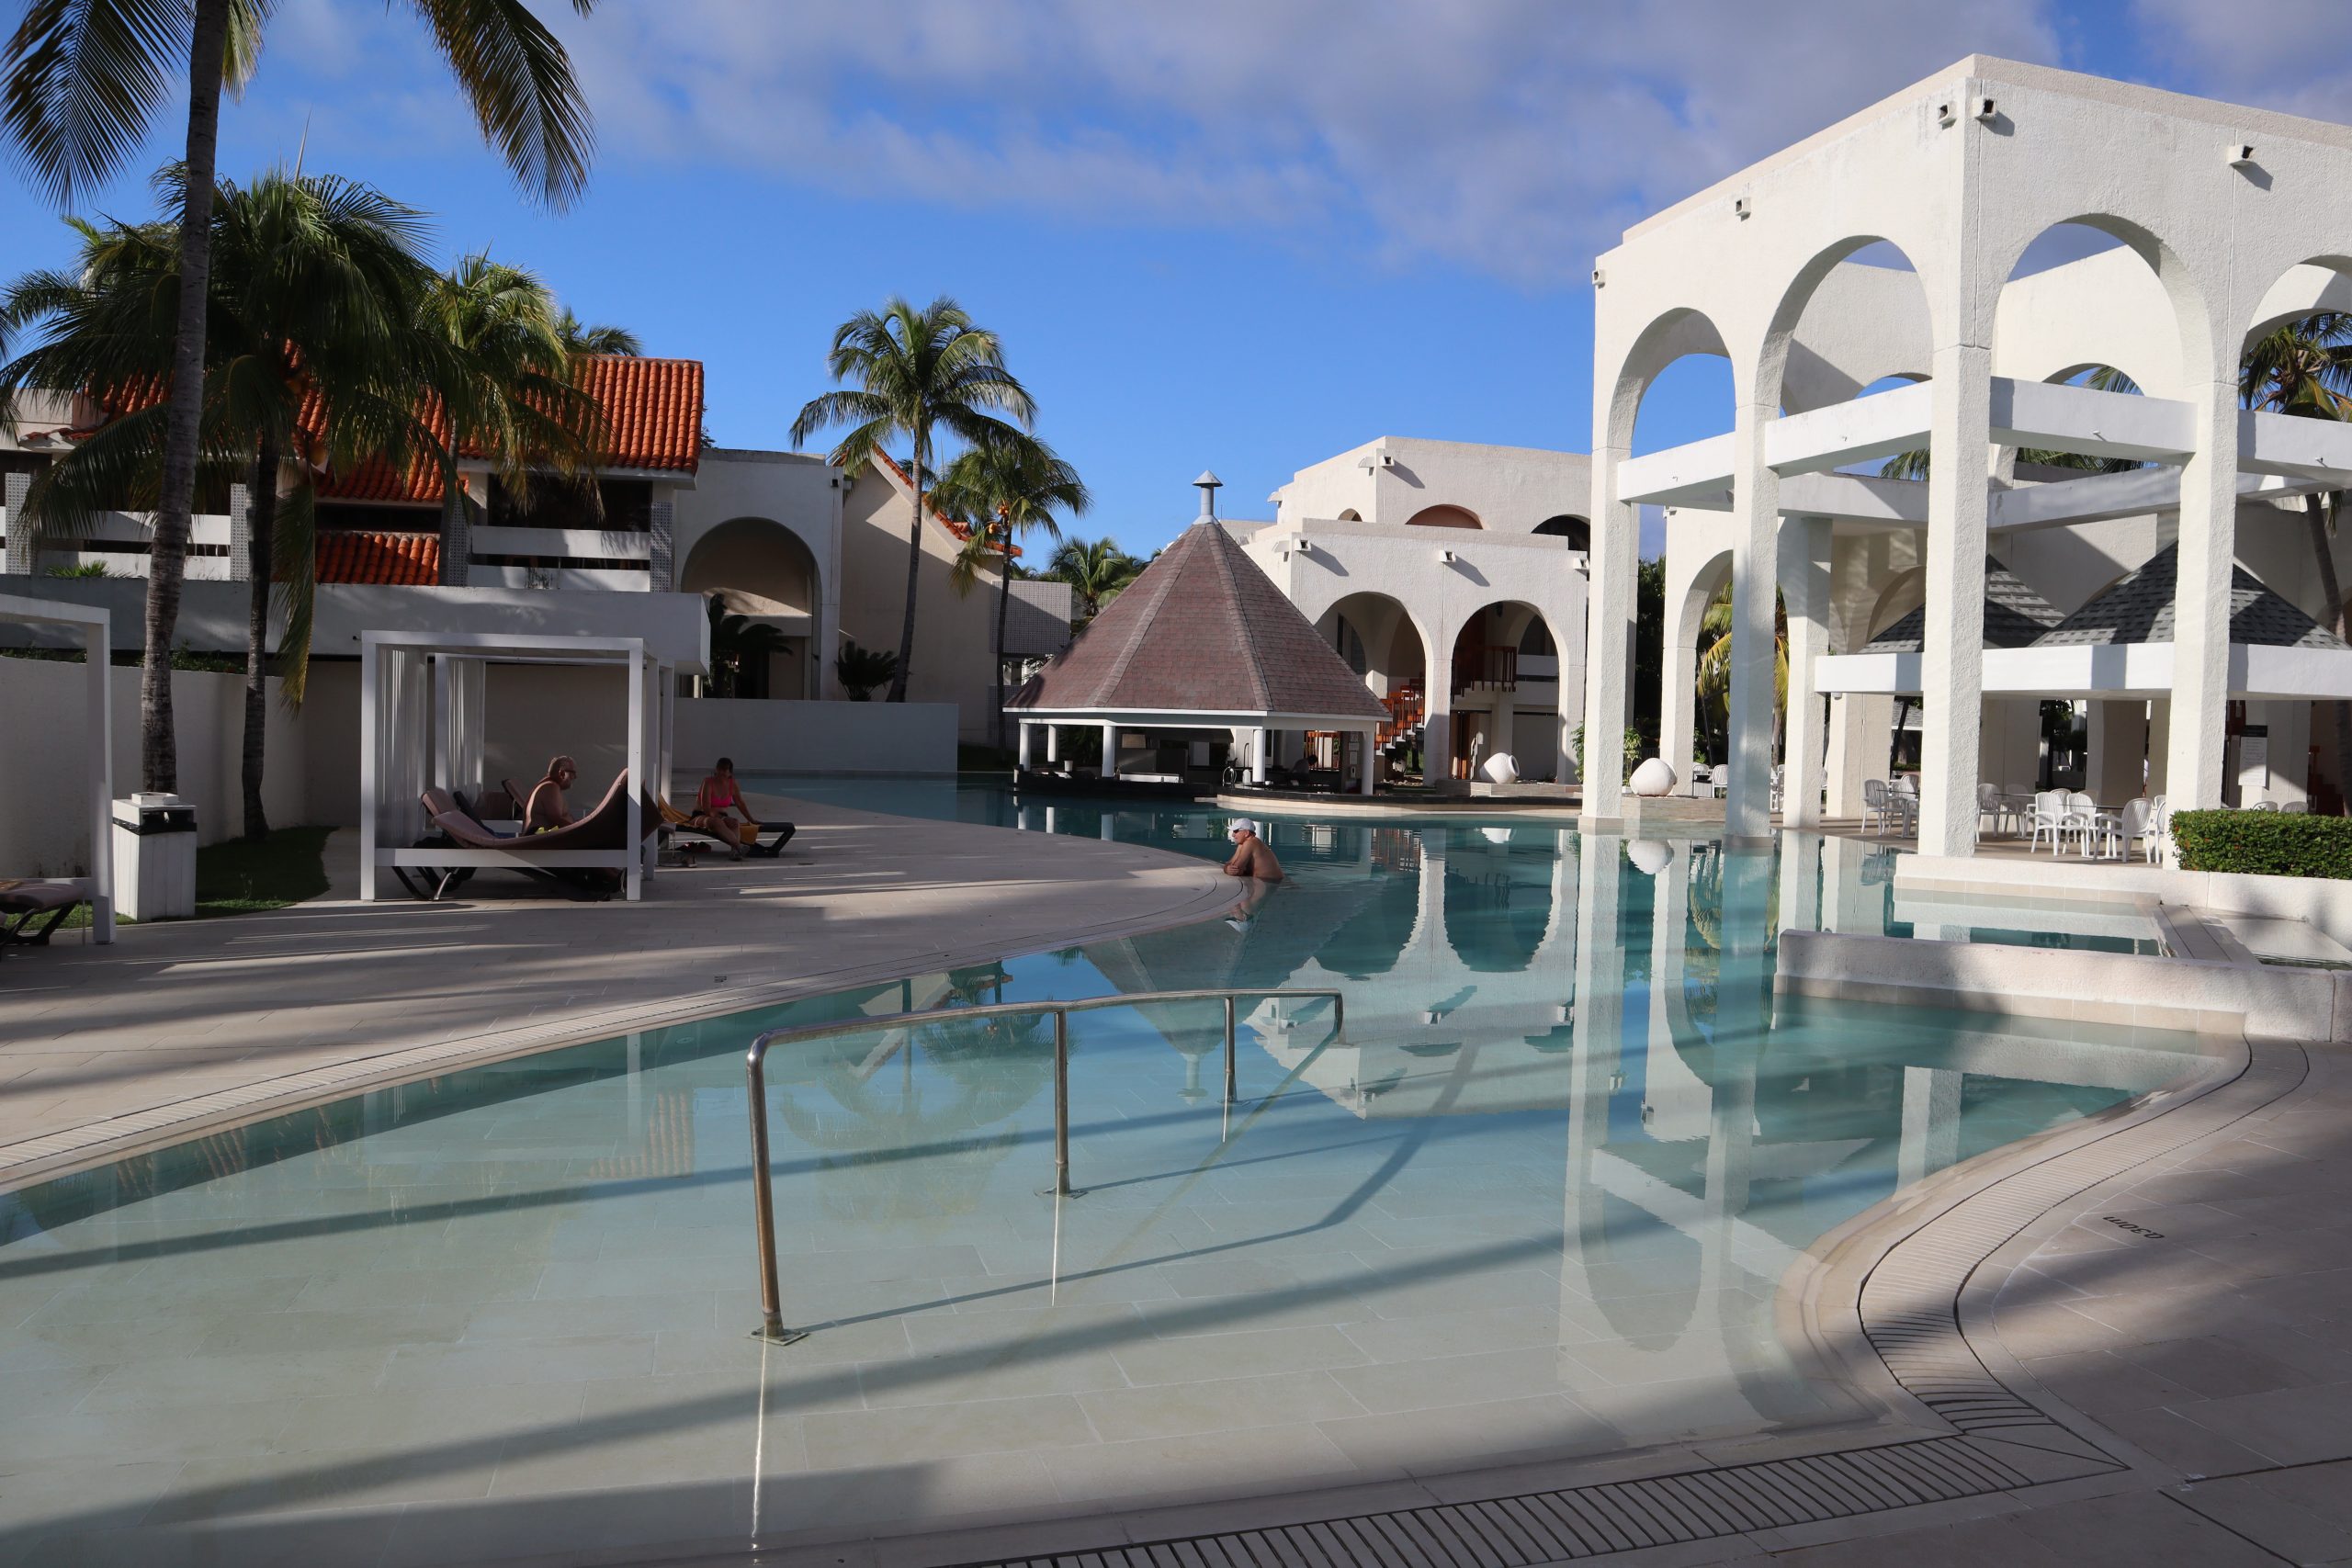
1232, 233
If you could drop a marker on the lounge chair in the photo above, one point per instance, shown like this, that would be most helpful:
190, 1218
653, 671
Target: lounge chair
606, 828
671, 821
23, 904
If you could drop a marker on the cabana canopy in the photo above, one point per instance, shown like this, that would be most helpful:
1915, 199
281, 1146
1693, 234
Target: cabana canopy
1203, 639
422, 702
91, 628
2121, 644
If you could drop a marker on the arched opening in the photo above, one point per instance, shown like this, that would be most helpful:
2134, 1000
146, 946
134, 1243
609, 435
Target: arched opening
767, 581
1498, 898
1378, 639
1575, 530
1351, 515
1443, 515
1505, 670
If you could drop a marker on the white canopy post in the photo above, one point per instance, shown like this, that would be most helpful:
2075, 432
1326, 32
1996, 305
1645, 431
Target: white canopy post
93, 628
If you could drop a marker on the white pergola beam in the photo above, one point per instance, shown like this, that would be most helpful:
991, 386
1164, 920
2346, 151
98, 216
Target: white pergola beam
2142, 670
1677, 475
1854, 432
2097, 424
2311, 449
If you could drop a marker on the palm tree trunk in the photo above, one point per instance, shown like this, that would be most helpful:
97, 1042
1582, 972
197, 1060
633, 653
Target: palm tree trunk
159, 763
260, 556
1003, 602
915, 575
2316, 514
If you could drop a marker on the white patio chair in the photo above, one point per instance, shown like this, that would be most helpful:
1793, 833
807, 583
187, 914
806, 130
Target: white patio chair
1877, 806
2295, 808
1780, 773
2049, 818
2131, 826
2264, 805
2082, 819
2155, 837
1991, 803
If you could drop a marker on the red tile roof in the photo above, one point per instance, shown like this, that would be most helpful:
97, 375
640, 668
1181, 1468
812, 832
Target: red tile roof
406, 561
1202, 629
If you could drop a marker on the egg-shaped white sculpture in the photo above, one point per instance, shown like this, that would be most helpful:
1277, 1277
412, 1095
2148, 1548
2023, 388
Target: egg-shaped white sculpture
1501, 768
1650, 856
1654, 777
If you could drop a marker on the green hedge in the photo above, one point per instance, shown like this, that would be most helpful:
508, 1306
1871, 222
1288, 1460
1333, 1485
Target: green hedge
2269, 843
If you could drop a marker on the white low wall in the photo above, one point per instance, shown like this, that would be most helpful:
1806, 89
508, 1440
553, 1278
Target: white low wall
770, 736
43, 715
2325, 902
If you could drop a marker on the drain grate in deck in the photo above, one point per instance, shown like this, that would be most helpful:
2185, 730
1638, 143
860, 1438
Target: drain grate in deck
1588, 1521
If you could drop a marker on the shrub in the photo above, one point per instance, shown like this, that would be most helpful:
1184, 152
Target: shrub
2268, 844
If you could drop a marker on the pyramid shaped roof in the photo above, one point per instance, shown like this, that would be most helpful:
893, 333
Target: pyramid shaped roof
1202, 630
2139, 609
2015, 617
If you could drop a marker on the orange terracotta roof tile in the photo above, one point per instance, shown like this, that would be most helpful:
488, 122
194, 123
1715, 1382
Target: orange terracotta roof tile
406, 561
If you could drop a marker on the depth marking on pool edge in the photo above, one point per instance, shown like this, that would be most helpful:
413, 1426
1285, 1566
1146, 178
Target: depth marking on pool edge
1910, 1310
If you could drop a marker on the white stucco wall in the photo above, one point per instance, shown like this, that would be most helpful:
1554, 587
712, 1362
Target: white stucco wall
1509, 489
915, 740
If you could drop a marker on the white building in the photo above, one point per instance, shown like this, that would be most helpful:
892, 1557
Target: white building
2224, 221
1414, 556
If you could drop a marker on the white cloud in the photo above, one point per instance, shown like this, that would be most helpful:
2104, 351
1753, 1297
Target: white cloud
2290, 55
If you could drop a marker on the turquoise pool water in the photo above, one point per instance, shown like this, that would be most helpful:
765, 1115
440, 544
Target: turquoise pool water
1542, 1197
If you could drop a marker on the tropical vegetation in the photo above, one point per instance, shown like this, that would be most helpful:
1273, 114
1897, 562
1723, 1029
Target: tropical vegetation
1002, 492
1096, 570
911, 374
864, 671
81, 83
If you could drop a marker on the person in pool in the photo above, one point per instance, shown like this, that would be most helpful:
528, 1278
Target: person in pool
1252, 857
546, 810
719, 806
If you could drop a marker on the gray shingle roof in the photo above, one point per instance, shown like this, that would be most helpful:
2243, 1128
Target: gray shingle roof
2015, 617
1202, 629
2139, 609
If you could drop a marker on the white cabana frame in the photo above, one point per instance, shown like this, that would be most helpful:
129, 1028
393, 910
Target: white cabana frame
420, 710
94, 627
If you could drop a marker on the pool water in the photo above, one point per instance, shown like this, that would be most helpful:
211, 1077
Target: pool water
1541, 1198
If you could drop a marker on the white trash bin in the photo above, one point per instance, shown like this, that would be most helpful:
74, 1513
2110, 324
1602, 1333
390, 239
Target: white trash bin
154, 857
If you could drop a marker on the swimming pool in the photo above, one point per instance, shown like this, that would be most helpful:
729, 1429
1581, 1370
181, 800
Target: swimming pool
1539, 1200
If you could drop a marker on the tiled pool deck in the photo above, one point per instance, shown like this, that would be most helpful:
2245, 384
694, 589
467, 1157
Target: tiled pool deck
2186, 1315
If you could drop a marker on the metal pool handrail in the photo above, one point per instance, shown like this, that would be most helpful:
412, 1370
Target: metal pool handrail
755, 1069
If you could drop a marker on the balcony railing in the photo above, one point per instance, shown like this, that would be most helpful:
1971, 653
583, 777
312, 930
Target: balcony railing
1487, 667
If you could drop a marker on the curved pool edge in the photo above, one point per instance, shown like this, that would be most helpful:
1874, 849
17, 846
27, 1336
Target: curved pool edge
1203, 893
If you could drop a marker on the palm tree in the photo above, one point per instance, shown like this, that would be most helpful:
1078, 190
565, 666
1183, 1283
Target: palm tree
579, 337
860, 669
80, 81
1096, 570
504, 379
1913, 465
1714, 658
1005, 489
915, 371
2305, 368
313, 288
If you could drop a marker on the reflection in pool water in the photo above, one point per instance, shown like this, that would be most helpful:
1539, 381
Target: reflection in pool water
1542, 1197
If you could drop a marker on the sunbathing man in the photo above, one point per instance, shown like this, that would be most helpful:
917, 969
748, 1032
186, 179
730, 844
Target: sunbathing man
546, 811
1252, 857
719, 806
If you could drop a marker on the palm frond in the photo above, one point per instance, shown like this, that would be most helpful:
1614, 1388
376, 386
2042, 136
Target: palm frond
518, 79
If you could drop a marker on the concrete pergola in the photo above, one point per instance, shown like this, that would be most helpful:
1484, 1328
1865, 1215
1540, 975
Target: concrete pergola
92, 628
422, 704
1202, 640
2229, 210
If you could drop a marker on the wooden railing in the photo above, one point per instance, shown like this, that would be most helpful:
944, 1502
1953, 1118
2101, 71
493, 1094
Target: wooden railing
1487, 667
1405, 705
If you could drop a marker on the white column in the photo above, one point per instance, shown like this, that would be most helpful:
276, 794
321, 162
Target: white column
2201, 668
1951, 662
1110, 750
1053, 743
1678, 696
1564, 763
370, 705
1755, 561
1260, 743
97, 719
1609, 632
632, 817
1861, 728
1805, 579
1930, 1122
1028, 741
1371, 760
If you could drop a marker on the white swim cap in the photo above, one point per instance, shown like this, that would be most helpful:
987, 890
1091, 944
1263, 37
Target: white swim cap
1239, 825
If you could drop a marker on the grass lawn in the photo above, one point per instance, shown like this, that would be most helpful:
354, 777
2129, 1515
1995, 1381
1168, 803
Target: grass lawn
239, 878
